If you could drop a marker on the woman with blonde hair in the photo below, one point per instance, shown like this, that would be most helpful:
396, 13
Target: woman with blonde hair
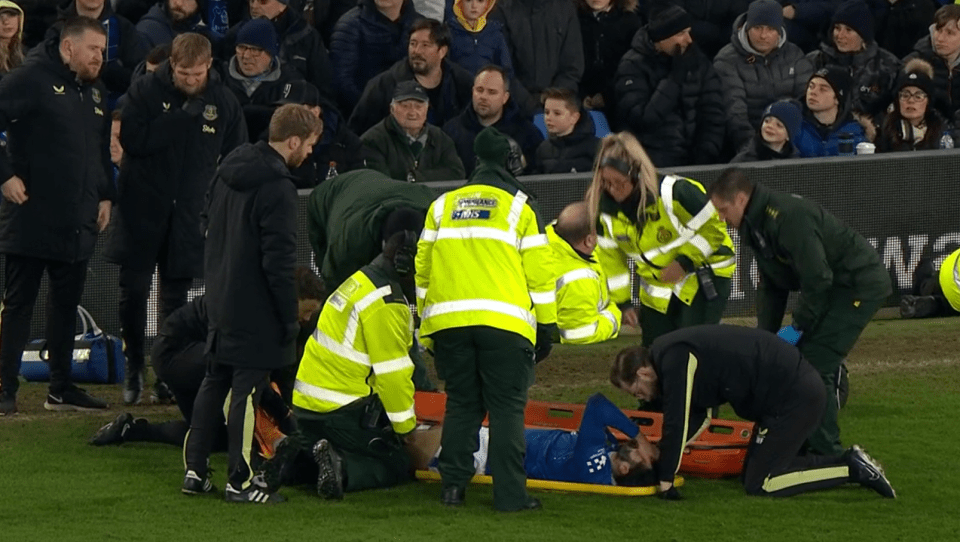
11, 36
682, 253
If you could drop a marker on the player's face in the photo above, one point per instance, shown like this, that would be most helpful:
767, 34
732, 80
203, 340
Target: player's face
616, 184
731, 211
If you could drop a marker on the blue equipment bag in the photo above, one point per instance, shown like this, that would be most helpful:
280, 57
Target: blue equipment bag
97, 357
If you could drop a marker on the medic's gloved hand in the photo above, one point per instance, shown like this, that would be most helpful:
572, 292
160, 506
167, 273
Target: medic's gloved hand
193, 106
544, 341
790, 334
671, 494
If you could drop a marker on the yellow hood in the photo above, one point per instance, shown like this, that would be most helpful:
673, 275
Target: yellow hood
458, 12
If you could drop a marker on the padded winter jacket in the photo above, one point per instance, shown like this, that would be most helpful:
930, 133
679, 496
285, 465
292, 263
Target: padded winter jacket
463, 129
390, 153
572, 153
874, 71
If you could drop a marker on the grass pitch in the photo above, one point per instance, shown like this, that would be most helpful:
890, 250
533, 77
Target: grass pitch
905, 389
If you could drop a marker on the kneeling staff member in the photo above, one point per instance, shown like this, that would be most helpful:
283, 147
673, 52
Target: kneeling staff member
765, 380
354, 390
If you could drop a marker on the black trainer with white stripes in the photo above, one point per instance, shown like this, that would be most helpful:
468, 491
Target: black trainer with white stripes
256, 493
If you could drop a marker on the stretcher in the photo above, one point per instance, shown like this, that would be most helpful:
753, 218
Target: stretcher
563, 487
719, 451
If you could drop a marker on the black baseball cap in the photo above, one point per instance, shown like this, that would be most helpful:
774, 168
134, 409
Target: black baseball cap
299, 92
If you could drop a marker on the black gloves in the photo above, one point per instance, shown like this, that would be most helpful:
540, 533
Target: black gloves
544, 341
193, 106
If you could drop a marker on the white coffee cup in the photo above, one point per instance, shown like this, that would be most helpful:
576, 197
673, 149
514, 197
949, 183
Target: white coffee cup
865, 147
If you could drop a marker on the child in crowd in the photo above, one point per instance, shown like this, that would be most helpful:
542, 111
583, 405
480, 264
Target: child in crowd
779, 127
571, 144
475, 39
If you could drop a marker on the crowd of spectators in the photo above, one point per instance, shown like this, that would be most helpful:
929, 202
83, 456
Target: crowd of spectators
696, 82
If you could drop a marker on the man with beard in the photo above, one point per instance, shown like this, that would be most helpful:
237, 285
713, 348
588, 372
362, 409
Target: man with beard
170, 18
492, 105
56, 198
250, 225
177, 123
448, 86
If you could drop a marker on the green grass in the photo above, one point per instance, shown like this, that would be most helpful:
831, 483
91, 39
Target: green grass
905, 383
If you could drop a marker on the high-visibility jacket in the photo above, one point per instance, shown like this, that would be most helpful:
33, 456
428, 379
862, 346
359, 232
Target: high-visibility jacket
360, 347
950, 279
484, 260
681, 225
584, 312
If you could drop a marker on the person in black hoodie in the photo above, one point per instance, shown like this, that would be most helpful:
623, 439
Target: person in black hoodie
57, 197
251, 230
572, 144
765, 380
176, 124
779, 127
607, 28
492, 105
125, 45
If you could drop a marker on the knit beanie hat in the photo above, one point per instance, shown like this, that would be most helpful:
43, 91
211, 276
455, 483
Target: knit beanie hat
838, 78
917, 73
856, 15
667, 22
492, 146
402, 219
765, 12
259, 33
788, 113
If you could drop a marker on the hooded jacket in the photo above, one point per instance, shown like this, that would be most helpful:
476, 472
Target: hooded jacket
169, 158
345, 215
816, 139
251, 230
757, 151
463, 129
126, 47
58, 132
456, 91
573, 153
365, 43
158, 27
474, 48
606, 38
679, 122
19, 36
389, 152
874, 71
947, 96
752, 81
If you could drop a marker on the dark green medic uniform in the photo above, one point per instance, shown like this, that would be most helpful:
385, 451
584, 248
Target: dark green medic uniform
800, 246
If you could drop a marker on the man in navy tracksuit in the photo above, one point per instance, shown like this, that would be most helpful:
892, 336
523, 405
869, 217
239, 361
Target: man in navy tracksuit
765, 380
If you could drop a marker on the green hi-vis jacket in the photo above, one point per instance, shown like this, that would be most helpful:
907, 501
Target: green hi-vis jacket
800, 246
484, 260
682, 225
360, 347
584, 312
950, 279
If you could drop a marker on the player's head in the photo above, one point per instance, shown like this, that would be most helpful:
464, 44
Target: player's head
730, 194
633, 373
629, 467
310, 292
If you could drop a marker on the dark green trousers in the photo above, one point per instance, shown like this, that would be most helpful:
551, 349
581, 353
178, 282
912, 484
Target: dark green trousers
825, 348
679, 315
486, 370
372, 456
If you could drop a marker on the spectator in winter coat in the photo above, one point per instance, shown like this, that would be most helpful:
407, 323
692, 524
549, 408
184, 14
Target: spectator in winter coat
11, 36
606, 28
941, 48
712, 20
757, 67
572, 142
826, 115
544, 37
850, 45
366, 41
255, 74
477, 40
900, 23
405, 146
125, 45
774, 140
669, 95
492, 105
170, 18
301, 47
914, 124
447, 84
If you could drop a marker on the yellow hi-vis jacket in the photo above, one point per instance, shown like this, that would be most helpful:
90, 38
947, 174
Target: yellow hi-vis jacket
681, 225
484, 260
950, 279
360, 347
584, 312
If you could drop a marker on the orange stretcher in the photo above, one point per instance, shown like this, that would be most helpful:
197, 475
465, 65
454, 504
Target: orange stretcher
717, 452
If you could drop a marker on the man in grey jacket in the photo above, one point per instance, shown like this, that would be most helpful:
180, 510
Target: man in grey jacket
758, 67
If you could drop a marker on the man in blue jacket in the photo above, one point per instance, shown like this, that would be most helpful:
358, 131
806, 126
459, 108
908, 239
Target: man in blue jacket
826, 116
